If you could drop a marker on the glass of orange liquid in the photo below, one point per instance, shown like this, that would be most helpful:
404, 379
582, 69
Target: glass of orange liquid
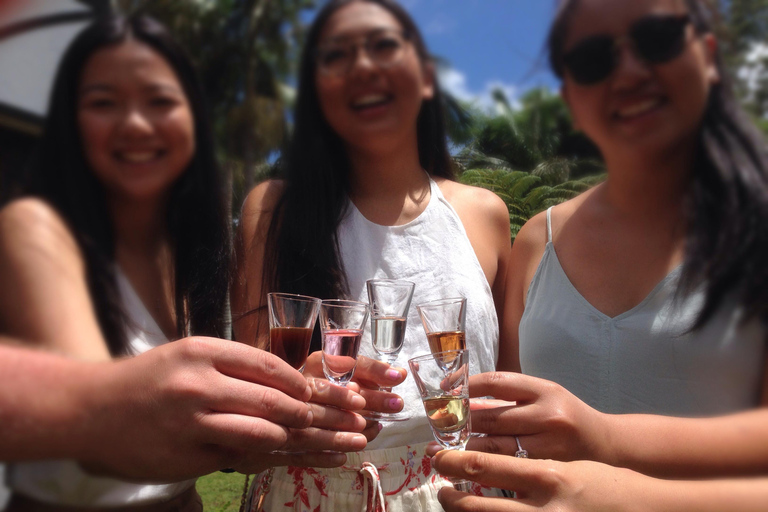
291, 323
443, 322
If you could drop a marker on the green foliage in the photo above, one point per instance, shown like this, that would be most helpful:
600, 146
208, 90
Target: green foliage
221, 492
537, 136
742, 27
526, 194
246, 52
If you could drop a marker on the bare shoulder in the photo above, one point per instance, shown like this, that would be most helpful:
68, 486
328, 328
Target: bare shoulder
33, 224
263, 197
467, 196
259, 204
475, 203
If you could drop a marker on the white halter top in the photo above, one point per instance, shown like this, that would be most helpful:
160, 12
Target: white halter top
62, 481
434, 252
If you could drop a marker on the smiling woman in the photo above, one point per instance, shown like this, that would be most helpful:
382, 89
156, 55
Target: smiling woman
135, 120
121, 242
367, 192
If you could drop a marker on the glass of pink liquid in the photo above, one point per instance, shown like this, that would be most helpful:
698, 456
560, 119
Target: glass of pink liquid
341, 323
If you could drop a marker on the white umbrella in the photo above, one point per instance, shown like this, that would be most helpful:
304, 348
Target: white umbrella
33, 37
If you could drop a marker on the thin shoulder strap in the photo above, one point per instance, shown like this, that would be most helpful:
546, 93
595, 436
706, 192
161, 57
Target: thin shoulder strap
549, 224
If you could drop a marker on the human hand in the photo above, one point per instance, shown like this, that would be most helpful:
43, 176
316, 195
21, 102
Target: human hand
370, 376
200, 404
544, 485
550, 422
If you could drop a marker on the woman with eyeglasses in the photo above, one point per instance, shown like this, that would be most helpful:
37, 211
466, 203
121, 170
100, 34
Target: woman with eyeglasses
639, 308
367, 192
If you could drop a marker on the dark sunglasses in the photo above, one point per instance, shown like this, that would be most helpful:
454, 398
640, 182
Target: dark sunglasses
655, 39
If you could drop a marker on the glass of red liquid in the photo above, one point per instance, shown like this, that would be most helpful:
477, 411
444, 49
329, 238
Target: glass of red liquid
291, 323
341, 323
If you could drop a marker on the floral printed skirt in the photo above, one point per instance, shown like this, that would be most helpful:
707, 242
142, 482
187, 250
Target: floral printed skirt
388, 480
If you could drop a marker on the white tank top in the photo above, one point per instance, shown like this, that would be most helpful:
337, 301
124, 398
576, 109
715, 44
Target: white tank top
434, 252
62, 481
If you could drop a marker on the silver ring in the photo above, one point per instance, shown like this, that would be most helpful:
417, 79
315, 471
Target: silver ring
520, 453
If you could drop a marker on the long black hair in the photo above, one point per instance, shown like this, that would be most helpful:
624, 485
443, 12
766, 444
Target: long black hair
197, 215
302, 253
727, 203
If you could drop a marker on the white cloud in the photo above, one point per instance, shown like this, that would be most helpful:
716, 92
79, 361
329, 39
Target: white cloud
440, 24
755, 70
455, 82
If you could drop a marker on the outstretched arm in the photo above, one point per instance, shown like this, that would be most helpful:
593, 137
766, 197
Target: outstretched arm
552, 423
546, 485
181, 410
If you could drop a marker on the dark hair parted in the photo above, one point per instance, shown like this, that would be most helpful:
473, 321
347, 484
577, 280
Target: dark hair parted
727, 203
302, 253
197, 216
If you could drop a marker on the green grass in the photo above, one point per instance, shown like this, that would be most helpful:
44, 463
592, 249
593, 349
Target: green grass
221, 491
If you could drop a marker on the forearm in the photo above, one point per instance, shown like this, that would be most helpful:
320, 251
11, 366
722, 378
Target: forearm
42, 411
743, 495
680, 447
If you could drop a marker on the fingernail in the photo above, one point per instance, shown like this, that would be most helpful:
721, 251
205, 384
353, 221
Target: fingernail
395, 403
380, 426
393, 374
358, 403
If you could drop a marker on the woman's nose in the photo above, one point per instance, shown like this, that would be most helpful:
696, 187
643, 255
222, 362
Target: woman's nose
361, 60
136, 122
630, 68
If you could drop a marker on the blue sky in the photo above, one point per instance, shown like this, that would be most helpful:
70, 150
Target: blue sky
488, 43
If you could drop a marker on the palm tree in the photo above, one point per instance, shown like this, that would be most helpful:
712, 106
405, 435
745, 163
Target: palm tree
528, 155
526, 194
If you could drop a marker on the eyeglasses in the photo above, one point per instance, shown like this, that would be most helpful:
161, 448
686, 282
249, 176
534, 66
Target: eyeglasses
655, 39
383, 47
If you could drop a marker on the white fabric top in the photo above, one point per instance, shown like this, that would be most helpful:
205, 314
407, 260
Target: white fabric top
63, 481
644, 360
434, 252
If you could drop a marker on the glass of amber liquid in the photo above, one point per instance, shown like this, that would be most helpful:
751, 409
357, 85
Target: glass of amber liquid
443, 382
291, 323
444, 321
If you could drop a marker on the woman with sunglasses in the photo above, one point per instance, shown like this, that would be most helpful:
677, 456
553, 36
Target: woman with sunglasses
644, 302
367, 193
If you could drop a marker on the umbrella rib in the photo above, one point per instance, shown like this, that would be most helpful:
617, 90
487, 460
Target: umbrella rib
43, 22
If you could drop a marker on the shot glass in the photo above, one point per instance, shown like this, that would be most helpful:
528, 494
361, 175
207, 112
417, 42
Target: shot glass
291, 323
390, 300
444, 324
443, 382
341, 323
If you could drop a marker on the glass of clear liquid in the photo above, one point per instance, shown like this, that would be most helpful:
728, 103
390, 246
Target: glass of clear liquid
390, 300
341, 324
443, 382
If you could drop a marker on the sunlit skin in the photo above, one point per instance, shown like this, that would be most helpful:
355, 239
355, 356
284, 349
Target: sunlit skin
404, 85
135, 120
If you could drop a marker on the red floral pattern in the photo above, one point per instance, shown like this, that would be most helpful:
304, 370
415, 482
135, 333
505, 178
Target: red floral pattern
416, 471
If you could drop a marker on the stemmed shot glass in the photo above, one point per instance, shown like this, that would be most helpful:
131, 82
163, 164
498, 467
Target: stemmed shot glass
390, 300
291, 323
341, 323
444, 321
443, 382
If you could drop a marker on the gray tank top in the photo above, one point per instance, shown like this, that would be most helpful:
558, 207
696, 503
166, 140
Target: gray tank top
643, 360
